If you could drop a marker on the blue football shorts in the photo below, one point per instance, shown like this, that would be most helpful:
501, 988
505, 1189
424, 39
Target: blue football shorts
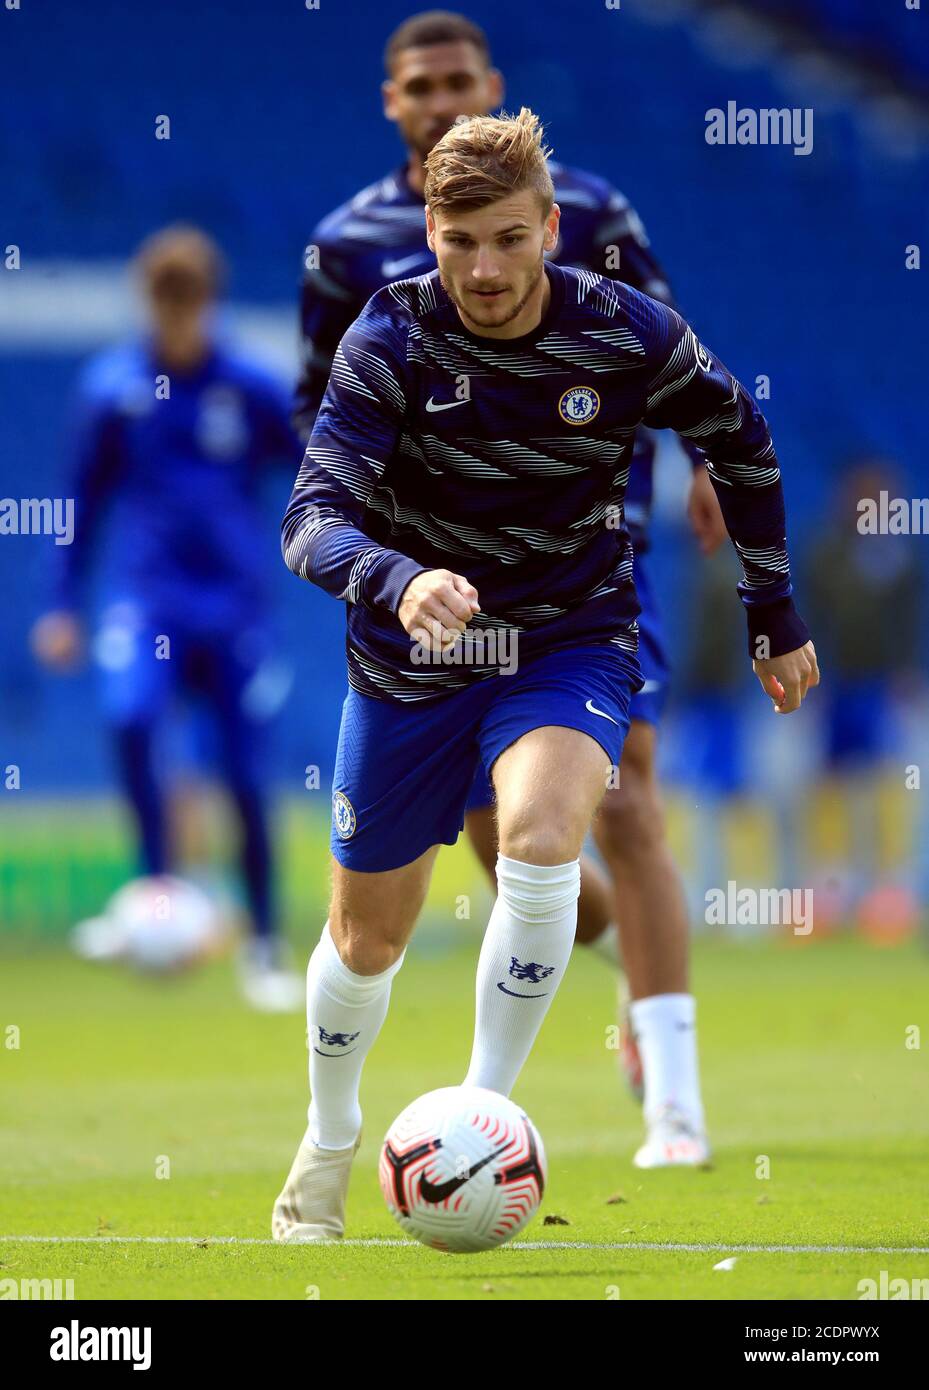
404, 770
648, 703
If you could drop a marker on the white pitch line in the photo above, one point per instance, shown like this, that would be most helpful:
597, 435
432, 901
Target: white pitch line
671, 1246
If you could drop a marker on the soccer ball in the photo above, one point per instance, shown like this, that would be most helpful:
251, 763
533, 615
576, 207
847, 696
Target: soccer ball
159, 925
170, 923
462, 1169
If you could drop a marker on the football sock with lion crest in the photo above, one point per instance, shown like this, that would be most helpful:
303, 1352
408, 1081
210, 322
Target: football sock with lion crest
526, 950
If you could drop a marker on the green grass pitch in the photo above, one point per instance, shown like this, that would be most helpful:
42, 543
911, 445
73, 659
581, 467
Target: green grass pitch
804, 1057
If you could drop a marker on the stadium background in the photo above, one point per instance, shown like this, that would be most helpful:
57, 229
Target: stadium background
791, 267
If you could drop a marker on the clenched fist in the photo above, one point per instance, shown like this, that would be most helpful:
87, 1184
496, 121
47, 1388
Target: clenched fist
787, 678
436, 607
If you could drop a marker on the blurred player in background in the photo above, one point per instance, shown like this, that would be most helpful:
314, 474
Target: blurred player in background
174, 433
855, 577
439, 67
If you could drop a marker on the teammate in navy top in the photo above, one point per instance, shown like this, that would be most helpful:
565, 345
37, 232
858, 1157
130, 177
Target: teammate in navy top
379, 234
173, 435
465, 479
438, 66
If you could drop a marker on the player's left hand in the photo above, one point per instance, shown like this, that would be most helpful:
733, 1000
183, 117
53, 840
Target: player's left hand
787, 678
704, 513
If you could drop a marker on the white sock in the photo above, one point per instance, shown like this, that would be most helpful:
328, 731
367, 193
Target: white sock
523, 958
665, 1028
344, 1013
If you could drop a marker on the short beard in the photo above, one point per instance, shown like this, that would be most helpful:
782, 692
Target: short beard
514, 313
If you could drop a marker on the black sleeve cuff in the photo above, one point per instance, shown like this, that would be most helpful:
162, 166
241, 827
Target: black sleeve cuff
385, 585
778, 622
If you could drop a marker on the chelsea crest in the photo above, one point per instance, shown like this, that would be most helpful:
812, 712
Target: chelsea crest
579, 405
343, 816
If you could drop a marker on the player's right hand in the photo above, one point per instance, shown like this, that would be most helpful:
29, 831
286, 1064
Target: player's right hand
57, 640
787, 678
436, 607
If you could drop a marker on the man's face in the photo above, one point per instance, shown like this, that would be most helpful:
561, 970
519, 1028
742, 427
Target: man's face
178, 300
429, 87
490, 260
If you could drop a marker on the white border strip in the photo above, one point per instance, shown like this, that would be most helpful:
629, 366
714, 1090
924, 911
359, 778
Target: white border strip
374, 1242
75, 307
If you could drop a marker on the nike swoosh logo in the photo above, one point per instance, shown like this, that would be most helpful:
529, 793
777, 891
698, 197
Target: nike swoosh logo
432, 406
521, 996
602, 713
438, 1191
333, 1055
391, 268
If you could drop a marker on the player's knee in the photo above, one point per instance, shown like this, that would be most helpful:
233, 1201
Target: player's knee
630, 821
366, 945
549, 839
365, 952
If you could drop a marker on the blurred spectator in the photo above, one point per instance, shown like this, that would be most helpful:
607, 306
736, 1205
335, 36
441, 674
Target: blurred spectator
714, 676
864, 599
173, 434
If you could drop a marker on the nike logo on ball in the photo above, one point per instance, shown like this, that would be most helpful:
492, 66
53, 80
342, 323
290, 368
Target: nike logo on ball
432, 405
602, 713
439, 1191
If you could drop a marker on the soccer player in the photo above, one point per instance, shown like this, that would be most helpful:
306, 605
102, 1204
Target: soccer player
439, 67
176, 433
482, 416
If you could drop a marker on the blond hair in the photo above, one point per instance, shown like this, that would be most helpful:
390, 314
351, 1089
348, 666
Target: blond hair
484, 158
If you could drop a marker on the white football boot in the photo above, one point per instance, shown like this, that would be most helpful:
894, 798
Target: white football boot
672, 1141
267, 981
311, 1206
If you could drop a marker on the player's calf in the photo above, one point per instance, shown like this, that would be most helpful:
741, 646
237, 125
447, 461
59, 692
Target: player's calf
348, 984
544, 812
595, 904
